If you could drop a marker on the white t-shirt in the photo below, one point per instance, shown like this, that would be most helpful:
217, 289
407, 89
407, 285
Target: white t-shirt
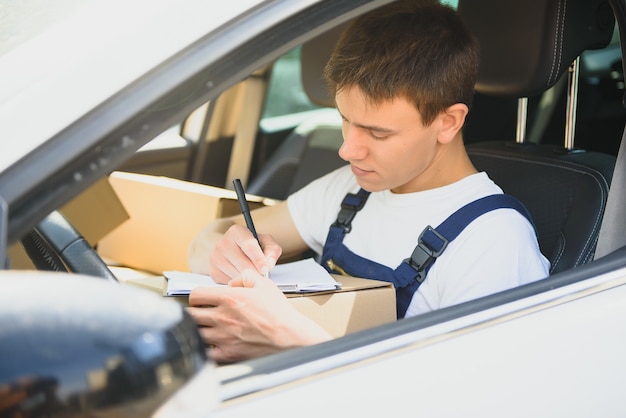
497, 251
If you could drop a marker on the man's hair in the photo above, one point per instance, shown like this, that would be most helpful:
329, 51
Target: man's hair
420, 50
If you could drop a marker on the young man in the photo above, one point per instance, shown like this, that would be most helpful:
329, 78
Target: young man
403, 78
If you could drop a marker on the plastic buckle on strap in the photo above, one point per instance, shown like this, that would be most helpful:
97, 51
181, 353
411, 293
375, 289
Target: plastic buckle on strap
350, 205
430, 246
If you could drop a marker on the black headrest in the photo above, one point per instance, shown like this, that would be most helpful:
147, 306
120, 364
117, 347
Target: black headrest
313, 57
526, 45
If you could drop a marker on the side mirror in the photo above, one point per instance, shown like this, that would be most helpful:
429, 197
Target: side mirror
74, 345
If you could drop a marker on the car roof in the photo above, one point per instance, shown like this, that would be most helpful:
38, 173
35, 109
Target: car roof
76, 55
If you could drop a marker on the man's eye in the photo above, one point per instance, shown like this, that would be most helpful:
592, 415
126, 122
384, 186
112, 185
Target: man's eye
378, 135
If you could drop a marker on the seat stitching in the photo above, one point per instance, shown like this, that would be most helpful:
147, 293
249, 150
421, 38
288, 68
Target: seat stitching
560, 27
560, 251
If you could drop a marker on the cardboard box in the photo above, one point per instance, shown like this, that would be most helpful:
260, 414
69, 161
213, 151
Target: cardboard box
96, 211
360, 304
165, 214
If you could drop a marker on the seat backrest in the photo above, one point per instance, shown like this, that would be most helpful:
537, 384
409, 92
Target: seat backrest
526, 47
306, 154
566, 194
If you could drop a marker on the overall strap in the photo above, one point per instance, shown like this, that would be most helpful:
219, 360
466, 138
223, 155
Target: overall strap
432, 242
351, 204
410, 274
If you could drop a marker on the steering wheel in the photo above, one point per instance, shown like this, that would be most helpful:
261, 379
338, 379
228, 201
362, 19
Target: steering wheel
54, 244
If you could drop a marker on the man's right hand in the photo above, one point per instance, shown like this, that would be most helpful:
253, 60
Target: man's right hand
238, 250
225, 247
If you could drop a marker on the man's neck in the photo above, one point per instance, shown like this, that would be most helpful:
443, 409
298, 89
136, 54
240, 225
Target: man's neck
449, 166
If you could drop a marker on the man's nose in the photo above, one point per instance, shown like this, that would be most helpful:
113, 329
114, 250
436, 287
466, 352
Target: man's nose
353, 146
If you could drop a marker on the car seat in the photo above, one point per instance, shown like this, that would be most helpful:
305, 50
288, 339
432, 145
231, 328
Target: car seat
525, 49
307, 153
564, 188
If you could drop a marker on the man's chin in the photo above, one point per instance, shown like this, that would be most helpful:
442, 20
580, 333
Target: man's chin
369, 186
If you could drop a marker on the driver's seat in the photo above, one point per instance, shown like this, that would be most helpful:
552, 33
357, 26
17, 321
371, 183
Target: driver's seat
522, 55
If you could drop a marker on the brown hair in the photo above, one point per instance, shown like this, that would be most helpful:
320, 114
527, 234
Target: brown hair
417, 49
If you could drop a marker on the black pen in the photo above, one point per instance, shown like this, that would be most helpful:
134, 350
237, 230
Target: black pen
245, 210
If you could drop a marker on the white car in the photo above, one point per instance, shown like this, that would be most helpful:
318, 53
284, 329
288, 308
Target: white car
202, 92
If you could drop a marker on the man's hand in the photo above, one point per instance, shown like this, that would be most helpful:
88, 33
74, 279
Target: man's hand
250, 318
238, 251
225, 247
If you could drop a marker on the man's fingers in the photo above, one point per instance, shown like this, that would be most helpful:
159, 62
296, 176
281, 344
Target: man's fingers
203, 297
250, 247
247, 278
221, 269
238, 250
242, 251
215, 341
271, 250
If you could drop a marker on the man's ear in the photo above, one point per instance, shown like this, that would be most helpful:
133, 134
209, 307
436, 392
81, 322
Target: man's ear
451, 123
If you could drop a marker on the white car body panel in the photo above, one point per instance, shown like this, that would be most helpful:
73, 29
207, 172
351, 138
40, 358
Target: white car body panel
542, 347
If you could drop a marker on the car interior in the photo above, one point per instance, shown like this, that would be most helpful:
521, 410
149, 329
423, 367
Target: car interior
525, 129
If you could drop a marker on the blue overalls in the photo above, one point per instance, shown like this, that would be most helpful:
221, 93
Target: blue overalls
410, 274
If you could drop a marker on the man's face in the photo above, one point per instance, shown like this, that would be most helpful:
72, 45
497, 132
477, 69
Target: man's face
386, 143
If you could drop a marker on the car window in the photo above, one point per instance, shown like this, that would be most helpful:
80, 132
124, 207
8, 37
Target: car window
283, 102
451, 3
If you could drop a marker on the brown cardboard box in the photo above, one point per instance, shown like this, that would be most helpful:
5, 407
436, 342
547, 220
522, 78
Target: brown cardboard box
165, 215
360, 303
96, 211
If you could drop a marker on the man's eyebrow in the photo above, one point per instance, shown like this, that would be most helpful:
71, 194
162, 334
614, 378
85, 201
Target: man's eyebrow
369, 127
